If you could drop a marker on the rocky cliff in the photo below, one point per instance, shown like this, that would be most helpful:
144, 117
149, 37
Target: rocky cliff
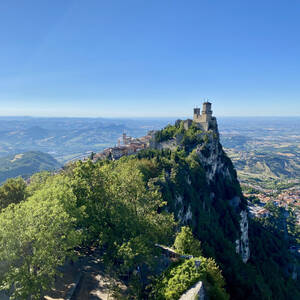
220, 184
200, 186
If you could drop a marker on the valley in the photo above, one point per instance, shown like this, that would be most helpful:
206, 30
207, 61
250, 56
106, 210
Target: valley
68, 138
265, 151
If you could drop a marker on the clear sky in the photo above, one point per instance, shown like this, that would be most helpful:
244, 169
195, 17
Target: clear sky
129, 58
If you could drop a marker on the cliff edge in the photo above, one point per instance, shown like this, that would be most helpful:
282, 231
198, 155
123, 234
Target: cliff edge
214, 188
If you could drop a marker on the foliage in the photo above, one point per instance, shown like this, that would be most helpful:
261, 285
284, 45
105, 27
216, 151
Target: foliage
293, 226
253, 199
185, 243
181, 178
276, 220
108, 204
270, 257
177, 280
35, 237
121, 206
121, 210
13, 191
37, 181
167, 133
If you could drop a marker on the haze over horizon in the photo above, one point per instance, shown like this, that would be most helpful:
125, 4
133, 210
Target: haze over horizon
149, 59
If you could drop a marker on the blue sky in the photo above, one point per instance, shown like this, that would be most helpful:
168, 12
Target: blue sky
149, 57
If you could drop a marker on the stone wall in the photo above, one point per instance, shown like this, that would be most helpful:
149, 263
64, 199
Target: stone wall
196, 292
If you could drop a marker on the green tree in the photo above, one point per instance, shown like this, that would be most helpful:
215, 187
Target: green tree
179, 278
87, 181
37, 181
120, 210
92, 155
137, 223
36, 236
185, 243
293, 226
12, 191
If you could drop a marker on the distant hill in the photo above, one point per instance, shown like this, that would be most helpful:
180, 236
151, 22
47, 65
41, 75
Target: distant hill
68, 138
26, 164
263, 150
262, 166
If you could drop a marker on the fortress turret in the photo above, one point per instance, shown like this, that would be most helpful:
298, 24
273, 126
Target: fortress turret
196, 112
206, 112
205, 119
207, 108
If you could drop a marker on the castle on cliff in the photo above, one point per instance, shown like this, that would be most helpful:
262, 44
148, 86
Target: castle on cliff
204, 120
128, 145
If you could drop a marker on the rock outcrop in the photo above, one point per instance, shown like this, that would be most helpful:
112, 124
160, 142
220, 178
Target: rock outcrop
200, 187
242, 244
221, 184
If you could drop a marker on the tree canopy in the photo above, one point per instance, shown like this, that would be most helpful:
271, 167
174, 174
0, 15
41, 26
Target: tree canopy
185, 243
12, 191
109, 205
35, 238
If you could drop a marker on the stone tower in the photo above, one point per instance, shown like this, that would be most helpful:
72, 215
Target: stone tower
206, 112
196, 112
205, 120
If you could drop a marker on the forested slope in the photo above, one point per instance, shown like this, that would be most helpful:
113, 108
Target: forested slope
125, 207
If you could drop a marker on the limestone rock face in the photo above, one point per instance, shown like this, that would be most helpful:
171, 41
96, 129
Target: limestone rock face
221, 186
212, 159
242, 244
170, 144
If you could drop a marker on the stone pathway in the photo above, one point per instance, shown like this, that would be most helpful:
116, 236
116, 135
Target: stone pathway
86, 279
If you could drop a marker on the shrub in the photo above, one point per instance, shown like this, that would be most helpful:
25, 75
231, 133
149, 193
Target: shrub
185, 243
179, 278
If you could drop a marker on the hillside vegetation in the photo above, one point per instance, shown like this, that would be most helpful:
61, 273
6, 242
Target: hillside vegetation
111, 205
125, 207
206, 207
26, 164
